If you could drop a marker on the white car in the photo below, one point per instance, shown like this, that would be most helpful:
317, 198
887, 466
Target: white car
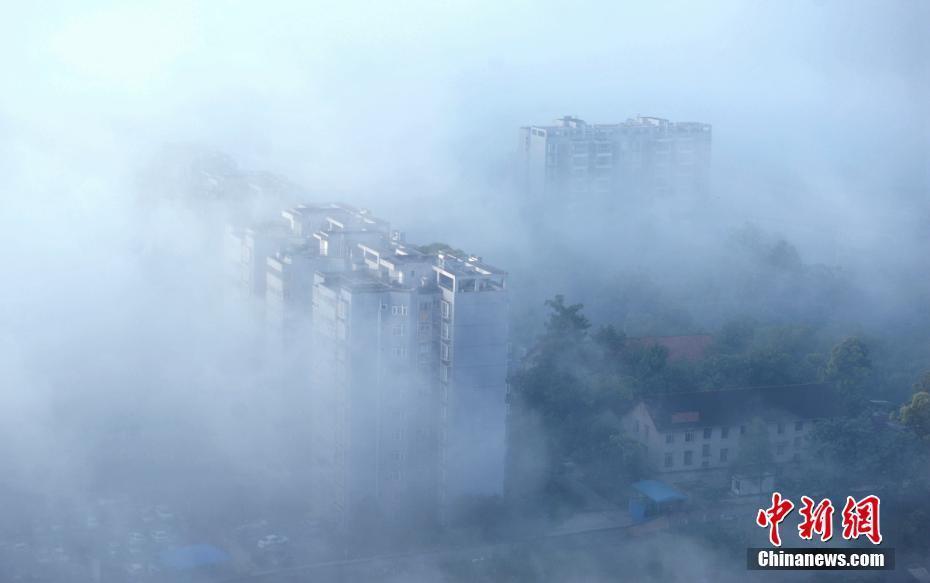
136, 538
163, 513
272, 541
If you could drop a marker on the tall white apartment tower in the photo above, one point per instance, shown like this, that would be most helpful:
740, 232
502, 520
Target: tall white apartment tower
473, 357
405, 361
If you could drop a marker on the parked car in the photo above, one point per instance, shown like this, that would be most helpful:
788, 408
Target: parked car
272, 541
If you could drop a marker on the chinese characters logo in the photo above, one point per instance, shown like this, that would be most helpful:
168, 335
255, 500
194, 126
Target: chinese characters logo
860, 518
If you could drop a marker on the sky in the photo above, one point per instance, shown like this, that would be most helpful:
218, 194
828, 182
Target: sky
308, 88
819, 107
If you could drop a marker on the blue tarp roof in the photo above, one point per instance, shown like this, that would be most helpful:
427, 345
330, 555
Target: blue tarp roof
192, 557
659, 491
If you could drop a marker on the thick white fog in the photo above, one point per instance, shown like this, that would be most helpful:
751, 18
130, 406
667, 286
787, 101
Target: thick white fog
132, 374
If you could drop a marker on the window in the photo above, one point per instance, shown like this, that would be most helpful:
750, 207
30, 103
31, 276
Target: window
798, 425
796, 457
708, 431
446, 282
724, 452
689, 455
399, 351
446, 331
781, 428
797, 442
669, 460
780, 448
443, 373
669, 438
399, 330
445, 308
444, 351
705, 451
424, 328
425, 348
689, 436
705, 464
724, 432
399, 310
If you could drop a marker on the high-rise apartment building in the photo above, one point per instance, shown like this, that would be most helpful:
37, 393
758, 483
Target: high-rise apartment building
407, 363
643, 157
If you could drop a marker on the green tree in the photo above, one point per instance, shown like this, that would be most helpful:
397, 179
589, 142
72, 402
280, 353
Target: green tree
566, 323
916, 414
923, 383
863, 450
850, 369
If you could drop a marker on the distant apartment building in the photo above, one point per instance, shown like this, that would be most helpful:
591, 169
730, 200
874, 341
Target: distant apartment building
643, 157
698, 436
408, 361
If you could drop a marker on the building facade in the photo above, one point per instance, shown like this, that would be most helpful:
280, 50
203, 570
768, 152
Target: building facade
407, 362
642, 158
698, 436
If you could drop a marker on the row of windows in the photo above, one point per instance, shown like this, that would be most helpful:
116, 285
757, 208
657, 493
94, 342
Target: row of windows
724, 453
708, 432
688, 457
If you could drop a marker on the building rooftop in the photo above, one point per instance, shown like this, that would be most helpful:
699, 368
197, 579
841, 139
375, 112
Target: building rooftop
658, 491
739, 406
640, 121
472, 265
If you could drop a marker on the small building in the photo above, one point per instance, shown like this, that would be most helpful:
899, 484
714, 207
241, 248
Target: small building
652, 498
697, 436
752, 483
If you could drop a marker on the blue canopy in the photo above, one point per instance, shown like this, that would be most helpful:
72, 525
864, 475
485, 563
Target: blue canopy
193, 557
658, 491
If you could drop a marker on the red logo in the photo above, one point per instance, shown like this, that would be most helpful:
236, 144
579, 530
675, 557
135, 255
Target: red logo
860, 518
817, 519
772, 516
